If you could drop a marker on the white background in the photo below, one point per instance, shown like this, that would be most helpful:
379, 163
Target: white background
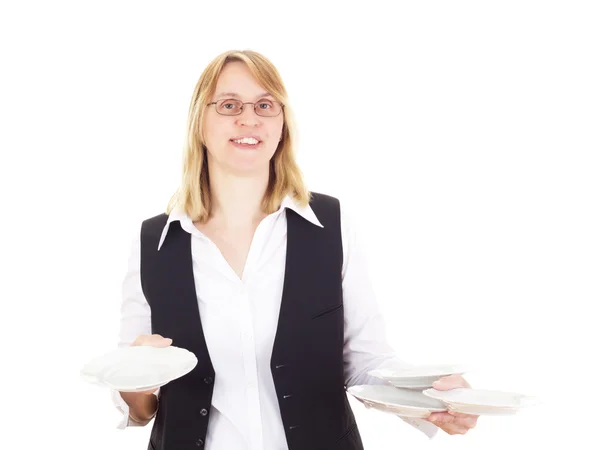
463, 135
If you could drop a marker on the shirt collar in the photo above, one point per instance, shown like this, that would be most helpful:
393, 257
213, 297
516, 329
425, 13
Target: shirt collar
288, 202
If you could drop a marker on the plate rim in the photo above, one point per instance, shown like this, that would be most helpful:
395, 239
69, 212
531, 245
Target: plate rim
528, 398
458, 369
394, 405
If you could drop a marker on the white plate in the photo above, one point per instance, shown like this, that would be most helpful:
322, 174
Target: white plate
481, 397
402, 402
139, 368
425, 373
482, 410
413, 383
417, 387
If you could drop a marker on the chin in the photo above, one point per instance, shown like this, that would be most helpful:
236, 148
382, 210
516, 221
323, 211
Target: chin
249, 169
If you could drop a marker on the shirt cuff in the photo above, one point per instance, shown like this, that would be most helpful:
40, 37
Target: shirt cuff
427, 428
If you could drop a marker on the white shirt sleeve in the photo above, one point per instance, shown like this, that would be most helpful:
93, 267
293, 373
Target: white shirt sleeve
365, 345
135, 320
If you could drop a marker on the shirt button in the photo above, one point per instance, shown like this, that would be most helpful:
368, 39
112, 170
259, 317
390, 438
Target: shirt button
199, 443
208, 380
203, 412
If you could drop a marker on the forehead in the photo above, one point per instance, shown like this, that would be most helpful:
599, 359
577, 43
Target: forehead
237, 81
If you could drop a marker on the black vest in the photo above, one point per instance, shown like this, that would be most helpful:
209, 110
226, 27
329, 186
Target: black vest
306, 362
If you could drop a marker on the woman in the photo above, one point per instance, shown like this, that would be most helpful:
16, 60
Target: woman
262, 280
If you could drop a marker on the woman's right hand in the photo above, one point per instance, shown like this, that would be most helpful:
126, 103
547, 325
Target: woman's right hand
152, 340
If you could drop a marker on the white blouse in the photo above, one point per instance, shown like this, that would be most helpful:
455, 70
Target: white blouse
239, 318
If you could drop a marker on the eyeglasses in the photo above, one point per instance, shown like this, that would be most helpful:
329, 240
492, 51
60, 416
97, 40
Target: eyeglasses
232, 107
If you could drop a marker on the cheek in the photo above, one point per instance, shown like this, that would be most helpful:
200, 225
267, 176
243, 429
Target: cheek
276, 130
215, 131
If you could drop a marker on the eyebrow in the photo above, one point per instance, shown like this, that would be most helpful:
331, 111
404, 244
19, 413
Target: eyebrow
234, 95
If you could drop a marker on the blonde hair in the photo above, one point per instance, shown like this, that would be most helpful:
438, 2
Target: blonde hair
285, 176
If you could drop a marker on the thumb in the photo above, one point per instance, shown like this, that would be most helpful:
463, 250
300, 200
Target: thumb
153, 340
450, 382
159, 341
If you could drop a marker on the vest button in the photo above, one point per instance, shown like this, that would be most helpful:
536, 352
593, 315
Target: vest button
199, 443
203, 412
208, 380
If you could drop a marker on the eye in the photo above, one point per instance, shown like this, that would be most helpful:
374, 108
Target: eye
265, 104
229, 107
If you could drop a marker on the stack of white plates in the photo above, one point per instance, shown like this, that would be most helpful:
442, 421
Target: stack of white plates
482, 402
418, 377
139, 368
402, 402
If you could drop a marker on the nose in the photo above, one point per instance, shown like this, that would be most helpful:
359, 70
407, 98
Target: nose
248, 117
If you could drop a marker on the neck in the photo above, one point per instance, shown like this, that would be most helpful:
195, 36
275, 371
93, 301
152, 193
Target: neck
237, 200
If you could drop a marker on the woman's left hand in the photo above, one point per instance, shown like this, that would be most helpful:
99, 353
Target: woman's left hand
452, 422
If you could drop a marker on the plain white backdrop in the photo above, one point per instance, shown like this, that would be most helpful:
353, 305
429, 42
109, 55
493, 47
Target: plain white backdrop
463, 136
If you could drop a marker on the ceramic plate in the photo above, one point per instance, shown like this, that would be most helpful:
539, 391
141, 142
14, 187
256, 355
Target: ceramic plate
480, 397
416, 387
139, 368
417, 377
402, 402
483, 410
427, 372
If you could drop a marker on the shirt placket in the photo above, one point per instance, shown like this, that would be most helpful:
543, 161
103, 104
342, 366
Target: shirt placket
247, 339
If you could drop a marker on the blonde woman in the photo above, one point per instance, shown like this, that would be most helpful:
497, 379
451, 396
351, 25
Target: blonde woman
261, 279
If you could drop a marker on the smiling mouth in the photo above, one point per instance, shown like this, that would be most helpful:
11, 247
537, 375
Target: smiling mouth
247, 141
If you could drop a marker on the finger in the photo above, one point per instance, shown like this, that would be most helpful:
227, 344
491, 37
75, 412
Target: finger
453, 379
451, 382
465, 420
460, 415
140, 340
154, 340
453, 429
451, 424
160, 341
440, 418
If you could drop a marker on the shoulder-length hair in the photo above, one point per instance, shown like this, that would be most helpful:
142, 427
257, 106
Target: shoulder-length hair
285, 177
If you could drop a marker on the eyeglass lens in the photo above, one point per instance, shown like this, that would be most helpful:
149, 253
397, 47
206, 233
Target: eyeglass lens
232, 107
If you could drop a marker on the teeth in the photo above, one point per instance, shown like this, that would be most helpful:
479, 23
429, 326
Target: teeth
246, 141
